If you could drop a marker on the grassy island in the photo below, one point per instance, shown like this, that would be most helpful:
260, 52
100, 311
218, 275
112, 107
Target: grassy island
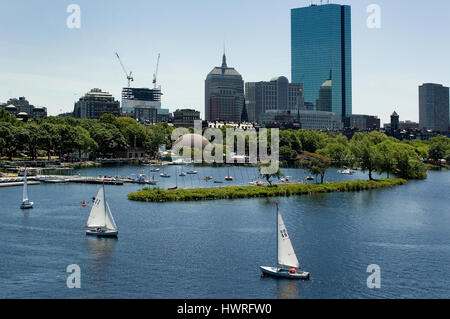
235, 192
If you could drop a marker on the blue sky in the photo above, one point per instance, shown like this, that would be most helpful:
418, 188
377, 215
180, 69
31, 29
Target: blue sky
52, 65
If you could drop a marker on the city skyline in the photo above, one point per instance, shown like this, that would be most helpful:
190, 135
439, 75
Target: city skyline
52, 65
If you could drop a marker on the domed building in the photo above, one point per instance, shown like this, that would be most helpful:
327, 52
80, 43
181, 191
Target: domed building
191, 140
194, 141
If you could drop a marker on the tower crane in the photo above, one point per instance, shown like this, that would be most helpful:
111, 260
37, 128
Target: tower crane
129, 77
156, 72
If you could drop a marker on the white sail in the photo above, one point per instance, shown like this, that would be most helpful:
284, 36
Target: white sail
97, 217
286, 253
25, 187
110, 223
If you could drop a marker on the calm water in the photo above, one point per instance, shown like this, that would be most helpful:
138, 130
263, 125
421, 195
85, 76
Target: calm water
213, 249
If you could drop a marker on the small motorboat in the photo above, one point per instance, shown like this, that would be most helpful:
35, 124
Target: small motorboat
154, 170
346, 171
192, 172
84, 204
182, 174
164, 175
172, 188
207, 178
218, 182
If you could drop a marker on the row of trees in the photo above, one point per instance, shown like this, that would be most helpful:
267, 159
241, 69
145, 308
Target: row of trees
64, 135
373, 152
109, 136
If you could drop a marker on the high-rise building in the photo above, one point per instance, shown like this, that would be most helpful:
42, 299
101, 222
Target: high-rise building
224, 94
140, 97
21, 105
95, 103
395, 120
434, 107
185, 117
276, 95
320, 42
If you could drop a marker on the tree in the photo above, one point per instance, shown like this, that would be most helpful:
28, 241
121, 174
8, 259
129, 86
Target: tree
47, 137
33, 139
408, 163
269, 176
6, 138
384, 157
338, 152
318, 166
364, 152
439, 148
84, 142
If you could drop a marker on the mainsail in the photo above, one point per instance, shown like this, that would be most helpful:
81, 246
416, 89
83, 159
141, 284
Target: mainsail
97, 217
25, 187
286, 253
100, 215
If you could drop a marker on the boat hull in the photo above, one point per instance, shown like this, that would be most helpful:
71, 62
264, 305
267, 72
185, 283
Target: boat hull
26, 205
284, 273
102, 233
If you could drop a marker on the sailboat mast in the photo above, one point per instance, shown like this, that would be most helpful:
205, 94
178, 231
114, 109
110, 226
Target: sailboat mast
276, 232
104, 201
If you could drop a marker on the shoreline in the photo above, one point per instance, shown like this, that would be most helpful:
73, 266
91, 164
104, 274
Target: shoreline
239, 192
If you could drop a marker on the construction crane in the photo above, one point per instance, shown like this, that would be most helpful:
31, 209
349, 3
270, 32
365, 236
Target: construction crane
156, 72
129, 77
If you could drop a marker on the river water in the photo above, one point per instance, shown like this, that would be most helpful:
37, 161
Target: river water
213, 249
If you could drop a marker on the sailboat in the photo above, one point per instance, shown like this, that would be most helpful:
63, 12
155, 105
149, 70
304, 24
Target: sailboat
286, 256
26, 204
101, 222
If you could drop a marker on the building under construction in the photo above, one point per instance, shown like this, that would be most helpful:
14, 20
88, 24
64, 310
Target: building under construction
143, 104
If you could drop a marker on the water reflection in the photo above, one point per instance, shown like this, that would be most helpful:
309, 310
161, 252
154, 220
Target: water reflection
287, 289
101, 249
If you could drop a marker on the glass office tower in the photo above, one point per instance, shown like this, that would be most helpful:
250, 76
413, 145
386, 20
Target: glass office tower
320, 46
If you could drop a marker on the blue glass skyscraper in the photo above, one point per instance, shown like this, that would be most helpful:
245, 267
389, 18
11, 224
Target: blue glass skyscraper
320, 48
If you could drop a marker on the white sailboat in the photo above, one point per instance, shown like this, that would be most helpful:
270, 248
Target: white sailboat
286, 256
26, 204
101, 222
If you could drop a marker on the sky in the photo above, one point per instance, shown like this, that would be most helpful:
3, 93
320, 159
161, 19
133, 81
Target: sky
53, 65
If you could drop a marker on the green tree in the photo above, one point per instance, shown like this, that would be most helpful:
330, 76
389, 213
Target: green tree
439, 148
84, 142
269, 176
364, 152
384, 157
318, 166
408, 164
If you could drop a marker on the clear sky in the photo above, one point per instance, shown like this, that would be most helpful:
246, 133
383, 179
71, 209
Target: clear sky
52, 65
